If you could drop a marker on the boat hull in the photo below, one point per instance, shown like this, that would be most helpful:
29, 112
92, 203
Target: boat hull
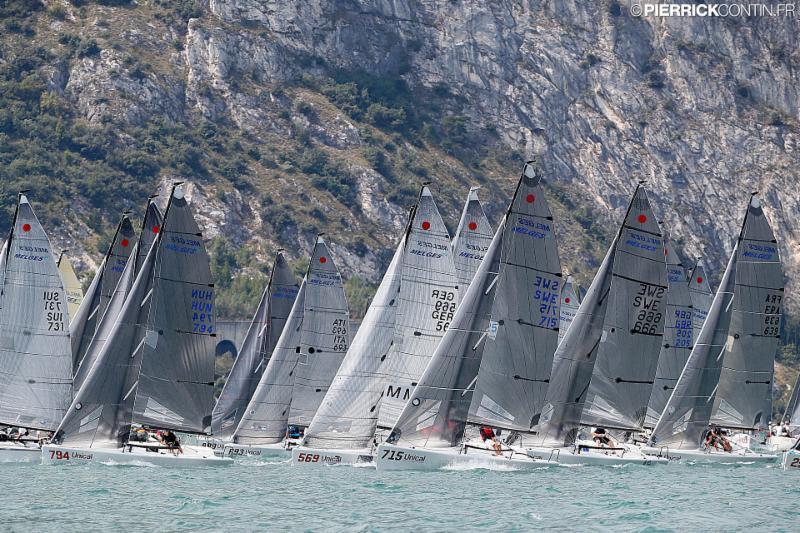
569, 455
781, 444
13, 452
393, 457
256, 451
704, 456
791, 461
302, 456
191, 458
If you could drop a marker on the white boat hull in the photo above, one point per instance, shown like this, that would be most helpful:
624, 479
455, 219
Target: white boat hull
393, 457
791, 460
705, 456
569, 455
191, 458
256, 451
303, 456
781, 444
18, 452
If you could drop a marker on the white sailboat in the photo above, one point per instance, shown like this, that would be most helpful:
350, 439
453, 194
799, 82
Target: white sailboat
156, 368
303, 364
604, 367
744, 319
411, 311
493, 364
35, 357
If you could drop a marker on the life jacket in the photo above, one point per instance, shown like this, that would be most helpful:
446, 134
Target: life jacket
486, 433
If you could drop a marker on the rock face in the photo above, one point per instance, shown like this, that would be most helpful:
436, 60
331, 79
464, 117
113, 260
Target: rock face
705, 109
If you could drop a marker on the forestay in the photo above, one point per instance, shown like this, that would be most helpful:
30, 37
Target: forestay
604, 367
472, 239
100, 291
348, 415
150, 227
35, 355
427, 301
744, 396
570, 302
72, 286
259, 341
324, 335
519, 253
677, 341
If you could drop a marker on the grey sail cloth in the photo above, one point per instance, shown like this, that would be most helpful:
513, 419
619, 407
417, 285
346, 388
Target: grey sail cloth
472, 239
348, 415
35, 355
426, 303
604, 367
685, 418
259, 341
678, 335
792, 412
266, 415
82, 328
518, 356
156, 366
744, 396
570, 302
439, 410
150, 227
701, 295
324, 335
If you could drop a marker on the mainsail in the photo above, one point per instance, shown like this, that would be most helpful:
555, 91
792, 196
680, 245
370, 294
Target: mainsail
426, 303
157, 366
98, 295
677, 341
701, 296
151, 225
35, 356
324, 335
500, 335
472, 239
72, 286
570, 302
743, 319
604, 367
744, 396
348, 415
261, 337
792, 412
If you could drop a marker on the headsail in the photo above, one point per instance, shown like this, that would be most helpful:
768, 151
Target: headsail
261, 337
324, 336
604, 367
427, 301
570, 302
156, 366
471, 241
151, 225
677, 341
35, 356
348, 415
72, 286
98, 295
744, 396
494, 319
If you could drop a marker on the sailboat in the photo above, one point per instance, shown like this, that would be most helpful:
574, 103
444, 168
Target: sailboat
493, 364
104, 325
35, 357
603, 369
779, 441
570, 302
259, 341
84, 324
306, 357
410, 312
156, 368
677, 340
743, 320
473, 235
72, 286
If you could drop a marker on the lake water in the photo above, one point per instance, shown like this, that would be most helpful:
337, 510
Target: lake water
274, 495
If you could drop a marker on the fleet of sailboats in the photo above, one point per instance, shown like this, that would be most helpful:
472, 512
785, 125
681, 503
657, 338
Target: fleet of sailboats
475, 350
